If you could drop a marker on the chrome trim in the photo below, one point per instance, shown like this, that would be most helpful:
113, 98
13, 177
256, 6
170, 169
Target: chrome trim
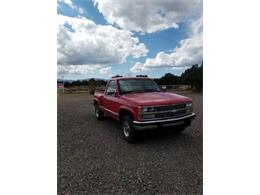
164, 120
167, 105
112, 112
167, 111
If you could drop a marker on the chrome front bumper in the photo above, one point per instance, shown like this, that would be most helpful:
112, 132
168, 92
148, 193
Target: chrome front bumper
184, 120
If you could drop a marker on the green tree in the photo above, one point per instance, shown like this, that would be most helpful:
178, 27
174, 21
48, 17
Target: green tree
168, 79
193, 76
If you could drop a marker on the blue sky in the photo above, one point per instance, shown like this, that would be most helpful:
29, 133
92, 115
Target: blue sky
104, 38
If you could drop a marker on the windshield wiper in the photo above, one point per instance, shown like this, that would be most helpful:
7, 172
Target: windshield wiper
151, 90
132, 92
143, 91
124, 92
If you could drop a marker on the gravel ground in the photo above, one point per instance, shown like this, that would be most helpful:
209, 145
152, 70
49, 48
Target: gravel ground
94, 159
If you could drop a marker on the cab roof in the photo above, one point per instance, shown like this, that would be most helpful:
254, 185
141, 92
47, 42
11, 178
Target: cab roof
126, 78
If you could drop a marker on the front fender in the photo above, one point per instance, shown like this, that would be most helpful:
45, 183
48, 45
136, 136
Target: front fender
130, 110
97, 100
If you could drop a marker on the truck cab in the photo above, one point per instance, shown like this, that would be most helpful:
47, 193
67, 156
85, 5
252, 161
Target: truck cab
139, 104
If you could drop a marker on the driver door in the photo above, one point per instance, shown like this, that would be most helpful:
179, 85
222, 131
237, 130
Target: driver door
110, 99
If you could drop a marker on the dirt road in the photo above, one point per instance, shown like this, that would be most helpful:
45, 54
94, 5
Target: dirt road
93, 158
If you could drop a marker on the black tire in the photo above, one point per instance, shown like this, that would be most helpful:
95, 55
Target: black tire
180, 129
127, 128
98, 113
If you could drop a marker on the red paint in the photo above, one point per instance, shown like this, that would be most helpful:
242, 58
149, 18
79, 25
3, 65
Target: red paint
112, 105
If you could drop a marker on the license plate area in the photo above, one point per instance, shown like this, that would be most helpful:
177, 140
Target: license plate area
174, 124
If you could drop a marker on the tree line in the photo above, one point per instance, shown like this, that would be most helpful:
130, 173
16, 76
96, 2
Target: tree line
90, 82
192, 76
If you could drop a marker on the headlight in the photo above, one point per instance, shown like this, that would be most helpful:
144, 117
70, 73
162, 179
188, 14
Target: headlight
148, 109
144, 109
151, 109
189, 105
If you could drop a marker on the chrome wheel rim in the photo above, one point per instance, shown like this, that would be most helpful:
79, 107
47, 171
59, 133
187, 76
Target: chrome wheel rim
126, 128
97, 112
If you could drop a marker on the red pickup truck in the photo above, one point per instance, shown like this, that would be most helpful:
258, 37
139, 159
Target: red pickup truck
138, 104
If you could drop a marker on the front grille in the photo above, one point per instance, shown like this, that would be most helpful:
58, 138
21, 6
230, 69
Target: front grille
170, 107
170, 114
166, 111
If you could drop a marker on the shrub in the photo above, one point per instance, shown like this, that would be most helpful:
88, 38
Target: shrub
92, 90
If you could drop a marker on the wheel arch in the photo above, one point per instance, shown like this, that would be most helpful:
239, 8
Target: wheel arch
125, 111
95, 102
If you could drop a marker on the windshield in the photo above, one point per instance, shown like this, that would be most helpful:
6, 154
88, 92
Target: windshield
137, 86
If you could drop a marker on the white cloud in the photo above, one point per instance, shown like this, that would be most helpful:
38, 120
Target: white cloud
196, 26
77, 70
129, 74
81, 41
146, 15
80, 10
68, 2
189, 52
138, 67
105, 70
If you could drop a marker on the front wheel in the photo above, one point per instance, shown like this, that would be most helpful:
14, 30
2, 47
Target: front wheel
98, 113
127, 128
180, 129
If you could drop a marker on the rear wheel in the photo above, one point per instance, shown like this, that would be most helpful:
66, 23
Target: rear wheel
98, 113
127, 128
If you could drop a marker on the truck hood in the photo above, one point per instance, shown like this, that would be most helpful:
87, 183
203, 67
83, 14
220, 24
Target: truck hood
155, 98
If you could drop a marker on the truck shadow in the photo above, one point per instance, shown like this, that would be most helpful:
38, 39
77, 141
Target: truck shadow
158, 135
162, 135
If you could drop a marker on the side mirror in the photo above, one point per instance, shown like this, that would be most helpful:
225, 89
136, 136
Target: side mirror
112, 93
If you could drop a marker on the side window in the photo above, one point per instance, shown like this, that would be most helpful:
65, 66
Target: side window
111, 88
